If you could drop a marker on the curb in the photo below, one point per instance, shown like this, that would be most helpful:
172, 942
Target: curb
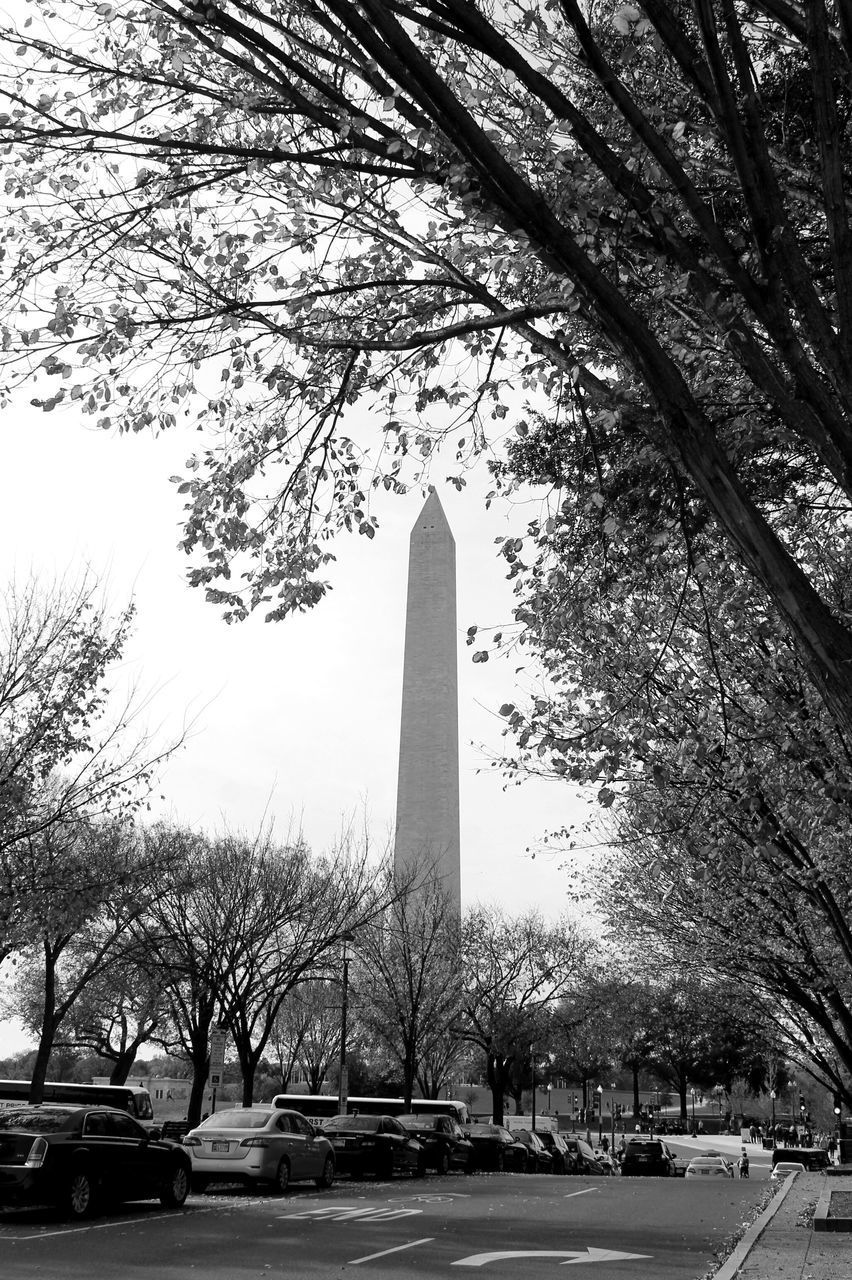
731, 1266
822, 1222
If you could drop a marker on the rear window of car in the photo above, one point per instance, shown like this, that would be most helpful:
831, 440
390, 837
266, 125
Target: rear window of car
357, 1124
484, 1130
236, 1120
33, 1121
706, 1162
645, 1148
420, 1122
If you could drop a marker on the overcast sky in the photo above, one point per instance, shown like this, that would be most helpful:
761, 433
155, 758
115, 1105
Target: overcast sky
297, 721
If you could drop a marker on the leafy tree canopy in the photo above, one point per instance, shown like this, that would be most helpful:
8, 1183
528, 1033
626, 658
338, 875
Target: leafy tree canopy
261, 215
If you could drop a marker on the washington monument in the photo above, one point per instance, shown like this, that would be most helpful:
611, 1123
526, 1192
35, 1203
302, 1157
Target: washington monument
427, 801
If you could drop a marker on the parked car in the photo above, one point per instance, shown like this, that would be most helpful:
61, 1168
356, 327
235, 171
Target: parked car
496, 1148
706, 1166
784, 1168
374, 1144
259, 1145
539, 1159
607, 1160
648, 1157
583, 1158
81, 1158
563, 1160
444, 1144
813, 1158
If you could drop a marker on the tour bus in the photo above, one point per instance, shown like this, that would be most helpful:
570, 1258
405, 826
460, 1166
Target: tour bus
126, 1097
322, 1105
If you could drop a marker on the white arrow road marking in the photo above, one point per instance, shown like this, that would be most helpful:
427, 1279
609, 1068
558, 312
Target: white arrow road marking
384, 1253
584, 1192
588, 1255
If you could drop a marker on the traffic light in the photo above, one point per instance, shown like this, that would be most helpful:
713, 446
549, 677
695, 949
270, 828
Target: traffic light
837, 1103
802, 1103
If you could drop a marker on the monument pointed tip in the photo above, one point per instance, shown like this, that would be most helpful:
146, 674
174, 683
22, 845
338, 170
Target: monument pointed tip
432, 514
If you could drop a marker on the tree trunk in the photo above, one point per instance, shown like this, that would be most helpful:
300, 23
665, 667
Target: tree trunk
495, 1083
48, 1027
681, 1089
199, 1061
636, 1102
249, 1069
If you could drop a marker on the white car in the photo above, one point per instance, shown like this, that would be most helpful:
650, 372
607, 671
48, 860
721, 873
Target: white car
259, 1145
709, 1167
784, 1168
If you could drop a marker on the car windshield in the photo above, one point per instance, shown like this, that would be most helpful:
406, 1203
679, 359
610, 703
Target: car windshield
357, 1124
419, 1122
236, 1120
33, 1121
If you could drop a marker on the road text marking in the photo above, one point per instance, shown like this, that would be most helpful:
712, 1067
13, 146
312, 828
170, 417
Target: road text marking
346, 1213
412, 1244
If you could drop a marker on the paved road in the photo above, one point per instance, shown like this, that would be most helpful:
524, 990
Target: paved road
522, 1228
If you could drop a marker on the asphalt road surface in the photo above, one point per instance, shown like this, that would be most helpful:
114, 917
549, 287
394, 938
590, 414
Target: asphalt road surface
511, 1225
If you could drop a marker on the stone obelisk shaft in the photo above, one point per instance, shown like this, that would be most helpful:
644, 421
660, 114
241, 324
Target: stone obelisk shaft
427, 806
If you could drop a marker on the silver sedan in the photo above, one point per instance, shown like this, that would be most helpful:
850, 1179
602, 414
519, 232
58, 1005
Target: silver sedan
259, 1145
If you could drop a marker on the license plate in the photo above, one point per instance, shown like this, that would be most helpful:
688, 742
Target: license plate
221, 1146
338, 1142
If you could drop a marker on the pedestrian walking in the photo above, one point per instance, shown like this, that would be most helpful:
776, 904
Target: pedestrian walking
742, 1164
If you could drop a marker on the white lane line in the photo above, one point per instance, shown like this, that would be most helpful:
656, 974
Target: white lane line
412, 1244
584, 1192
94, 1226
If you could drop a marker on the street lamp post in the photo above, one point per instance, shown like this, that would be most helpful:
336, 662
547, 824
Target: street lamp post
772, 1096
600, 1111
343, 1084
692, 1096
612, 1113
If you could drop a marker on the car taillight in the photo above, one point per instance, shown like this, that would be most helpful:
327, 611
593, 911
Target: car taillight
367, 1142
188, 1140
37, 1154
255, 1142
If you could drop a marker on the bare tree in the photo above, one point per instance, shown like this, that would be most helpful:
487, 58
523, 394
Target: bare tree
68, 756
412, 989
77, 943
515, 970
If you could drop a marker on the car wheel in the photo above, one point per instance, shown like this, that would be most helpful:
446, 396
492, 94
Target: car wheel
500, 1162
79, 1197
524, 1165
384, 1169
443, 1161
326, 1178
199, 1183
176, 1188
419, 1170
281, 1180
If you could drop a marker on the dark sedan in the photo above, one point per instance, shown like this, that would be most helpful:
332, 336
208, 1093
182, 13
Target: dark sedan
563, 1160
648, 1157
374, 1144
80, 1158
539, 1159
496, 1148
583, 1158
444, 1145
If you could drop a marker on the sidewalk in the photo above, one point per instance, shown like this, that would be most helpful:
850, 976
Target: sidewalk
784, 1246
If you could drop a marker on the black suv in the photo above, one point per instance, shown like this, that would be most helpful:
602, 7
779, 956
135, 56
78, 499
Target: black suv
648, 1157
